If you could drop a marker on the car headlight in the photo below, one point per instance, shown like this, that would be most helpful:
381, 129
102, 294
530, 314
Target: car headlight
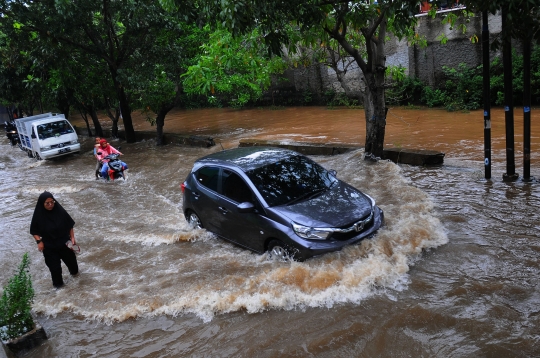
46, 148
307, 232
73, 142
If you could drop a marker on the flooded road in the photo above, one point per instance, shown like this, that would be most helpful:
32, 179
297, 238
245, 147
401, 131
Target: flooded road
455, 272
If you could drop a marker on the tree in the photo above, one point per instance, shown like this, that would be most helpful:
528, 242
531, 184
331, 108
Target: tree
20, 75
50, 75
160, 87
120, 33
342, 21
233, 66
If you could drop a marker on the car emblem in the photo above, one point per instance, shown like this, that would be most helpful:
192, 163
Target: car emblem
60, 145
358, 226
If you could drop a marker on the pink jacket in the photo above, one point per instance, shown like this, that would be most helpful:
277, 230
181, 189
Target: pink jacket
106, 151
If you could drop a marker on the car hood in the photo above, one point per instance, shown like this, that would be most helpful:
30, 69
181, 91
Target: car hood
340, 206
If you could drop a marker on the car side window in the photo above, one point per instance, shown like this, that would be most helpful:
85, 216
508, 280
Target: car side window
235, 188
209, 177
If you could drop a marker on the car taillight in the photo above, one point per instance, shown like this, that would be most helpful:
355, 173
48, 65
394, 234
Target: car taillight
183, 187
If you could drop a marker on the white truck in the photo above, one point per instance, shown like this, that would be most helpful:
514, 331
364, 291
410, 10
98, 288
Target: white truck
47, 135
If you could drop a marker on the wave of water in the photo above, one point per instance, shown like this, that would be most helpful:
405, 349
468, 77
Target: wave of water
148, 262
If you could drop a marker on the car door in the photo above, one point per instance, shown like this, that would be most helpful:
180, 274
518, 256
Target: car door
242, 228
205, 197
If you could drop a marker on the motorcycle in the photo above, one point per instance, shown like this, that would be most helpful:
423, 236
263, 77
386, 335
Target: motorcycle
12, 134
116, 169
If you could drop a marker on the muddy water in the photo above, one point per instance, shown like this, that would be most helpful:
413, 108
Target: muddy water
455, 272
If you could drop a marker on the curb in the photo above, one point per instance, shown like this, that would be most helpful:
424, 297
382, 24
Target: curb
418, 157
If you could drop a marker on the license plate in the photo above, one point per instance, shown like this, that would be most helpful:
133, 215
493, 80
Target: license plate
64, 150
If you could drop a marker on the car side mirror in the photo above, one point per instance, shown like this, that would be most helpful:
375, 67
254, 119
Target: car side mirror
333, 173
245, 207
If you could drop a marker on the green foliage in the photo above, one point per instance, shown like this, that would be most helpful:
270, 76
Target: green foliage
16, 303
404, 91
433, 97
496, 74
233, 67
339, 99
307, 96
395, 73
462, 87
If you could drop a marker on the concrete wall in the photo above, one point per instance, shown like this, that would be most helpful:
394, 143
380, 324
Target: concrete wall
425, 63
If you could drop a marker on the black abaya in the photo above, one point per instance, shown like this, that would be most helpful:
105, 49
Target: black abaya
54, 226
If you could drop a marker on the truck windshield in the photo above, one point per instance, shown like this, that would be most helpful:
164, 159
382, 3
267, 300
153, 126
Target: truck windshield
53, 129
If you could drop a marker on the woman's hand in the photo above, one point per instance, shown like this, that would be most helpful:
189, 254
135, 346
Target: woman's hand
72, 236
41, 246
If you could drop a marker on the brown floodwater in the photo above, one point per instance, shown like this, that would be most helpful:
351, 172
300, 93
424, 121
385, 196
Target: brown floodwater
454, 273
458, 134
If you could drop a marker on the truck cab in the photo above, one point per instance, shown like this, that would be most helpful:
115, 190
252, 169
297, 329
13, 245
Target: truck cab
47, 136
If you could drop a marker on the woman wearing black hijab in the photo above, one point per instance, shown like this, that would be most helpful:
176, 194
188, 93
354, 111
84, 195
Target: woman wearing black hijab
52, 228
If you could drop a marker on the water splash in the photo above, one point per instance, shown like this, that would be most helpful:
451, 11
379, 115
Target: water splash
196, 273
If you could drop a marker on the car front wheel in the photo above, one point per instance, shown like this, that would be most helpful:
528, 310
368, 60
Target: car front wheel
194, 220
277, 249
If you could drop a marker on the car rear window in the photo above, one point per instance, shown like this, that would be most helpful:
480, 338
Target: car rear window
235, 188
289, 179
208, 176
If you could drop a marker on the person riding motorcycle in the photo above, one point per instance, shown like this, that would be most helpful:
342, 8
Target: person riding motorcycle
98, 163
104, 150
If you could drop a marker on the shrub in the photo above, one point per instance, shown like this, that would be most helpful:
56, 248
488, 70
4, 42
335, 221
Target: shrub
405, 91
433, 97
16, 304
338, 99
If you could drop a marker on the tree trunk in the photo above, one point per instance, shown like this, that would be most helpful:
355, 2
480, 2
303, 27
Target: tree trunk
375, 112
374, 96
95, 120
160, 122
113, 116
125, 109
63, 105
126, 115
85, 119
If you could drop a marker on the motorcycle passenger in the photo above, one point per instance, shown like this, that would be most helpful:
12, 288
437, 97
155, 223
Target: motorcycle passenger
104, 150
96, 149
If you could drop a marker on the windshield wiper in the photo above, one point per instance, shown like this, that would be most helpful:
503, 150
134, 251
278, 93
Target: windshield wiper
307, 196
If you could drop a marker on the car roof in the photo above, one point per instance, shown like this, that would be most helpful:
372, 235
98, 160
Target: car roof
248, 158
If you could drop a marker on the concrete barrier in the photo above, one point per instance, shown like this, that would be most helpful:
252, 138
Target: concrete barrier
23, 344
418, 157
414, 156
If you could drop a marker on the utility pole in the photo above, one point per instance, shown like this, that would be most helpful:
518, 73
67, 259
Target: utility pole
486, 85
527, 109
510, 174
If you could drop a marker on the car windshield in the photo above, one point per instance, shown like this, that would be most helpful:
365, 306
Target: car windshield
54, 129
291, 180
